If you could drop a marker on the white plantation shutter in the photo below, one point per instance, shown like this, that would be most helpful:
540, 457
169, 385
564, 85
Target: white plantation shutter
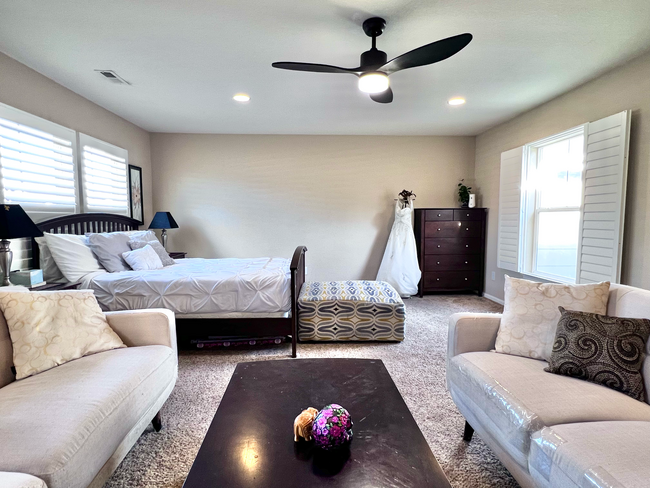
603, 202
37, 164
104, 176
510, 198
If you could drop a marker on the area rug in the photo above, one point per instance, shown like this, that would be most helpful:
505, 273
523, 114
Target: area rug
417, 365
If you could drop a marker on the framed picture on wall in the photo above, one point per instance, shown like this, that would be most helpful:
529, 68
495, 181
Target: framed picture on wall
135, 193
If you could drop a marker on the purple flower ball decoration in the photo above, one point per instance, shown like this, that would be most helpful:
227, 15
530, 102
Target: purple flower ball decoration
332, 427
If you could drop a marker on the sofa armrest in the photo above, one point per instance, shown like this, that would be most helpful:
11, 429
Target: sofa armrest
149, 327
472, 332
20, 480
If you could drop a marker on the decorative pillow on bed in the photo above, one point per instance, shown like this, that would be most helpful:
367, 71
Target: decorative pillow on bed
157, 246
141, 235
72, 255
51, 272
108, 248
143, 259
530, 313
50, 328
601, 349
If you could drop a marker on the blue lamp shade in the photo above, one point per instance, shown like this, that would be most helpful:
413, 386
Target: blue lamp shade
15, 223
163, 220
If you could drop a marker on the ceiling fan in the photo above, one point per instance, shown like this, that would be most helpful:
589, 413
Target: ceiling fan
374, 70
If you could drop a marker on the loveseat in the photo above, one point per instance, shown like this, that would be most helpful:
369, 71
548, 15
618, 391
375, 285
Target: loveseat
550, 430
71, 426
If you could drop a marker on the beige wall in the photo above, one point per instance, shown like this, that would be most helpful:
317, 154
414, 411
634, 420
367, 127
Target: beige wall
25, 89
626, 87
245, 196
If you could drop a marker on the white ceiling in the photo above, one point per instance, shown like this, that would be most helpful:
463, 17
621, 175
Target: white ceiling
186, 59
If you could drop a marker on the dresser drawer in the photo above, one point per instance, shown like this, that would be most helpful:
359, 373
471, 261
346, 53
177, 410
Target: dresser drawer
469, 214
439, 215
451, 280
452, 245
444, 262
453, 229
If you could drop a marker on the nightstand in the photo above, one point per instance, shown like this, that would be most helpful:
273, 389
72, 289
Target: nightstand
56, 287
177, 255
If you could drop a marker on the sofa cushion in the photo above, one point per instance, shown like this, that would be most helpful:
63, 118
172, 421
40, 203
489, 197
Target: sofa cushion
530, 313
593, 454
514, 397
64, 424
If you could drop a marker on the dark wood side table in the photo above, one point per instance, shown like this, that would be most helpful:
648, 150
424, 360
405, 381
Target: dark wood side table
177, 255
56, 287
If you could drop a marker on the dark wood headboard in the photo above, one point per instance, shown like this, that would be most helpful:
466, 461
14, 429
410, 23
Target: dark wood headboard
80, 224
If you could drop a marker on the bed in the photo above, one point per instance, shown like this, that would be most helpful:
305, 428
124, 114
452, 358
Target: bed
212, 298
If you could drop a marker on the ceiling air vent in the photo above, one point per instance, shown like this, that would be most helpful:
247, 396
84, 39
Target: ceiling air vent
112, 76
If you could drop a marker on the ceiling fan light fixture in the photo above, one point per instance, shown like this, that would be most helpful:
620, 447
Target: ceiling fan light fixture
374, 82
241, 97
456, 101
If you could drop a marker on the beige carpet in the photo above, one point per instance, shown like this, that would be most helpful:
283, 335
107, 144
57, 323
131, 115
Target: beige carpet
417, 366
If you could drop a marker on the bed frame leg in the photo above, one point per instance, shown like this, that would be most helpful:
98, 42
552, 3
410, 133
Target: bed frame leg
293, 345
468, 433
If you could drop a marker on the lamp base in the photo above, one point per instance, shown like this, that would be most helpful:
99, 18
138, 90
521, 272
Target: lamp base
164, 238
6, 256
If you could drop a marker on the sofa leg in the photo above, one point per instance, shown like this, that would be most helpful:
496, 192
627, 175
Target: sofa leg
469, 432
157, 422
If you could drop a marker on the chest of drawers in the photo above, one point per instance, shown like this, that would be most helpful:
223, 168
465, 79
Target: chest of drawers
451, 249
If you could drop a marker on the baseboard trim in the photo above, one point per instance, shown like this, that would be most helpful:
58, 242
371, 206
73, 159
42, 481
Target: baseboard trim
492, 298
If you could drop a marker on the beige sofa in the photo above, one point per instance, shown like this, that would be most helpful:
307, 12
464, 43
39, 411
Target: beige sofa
550, 430
71, 426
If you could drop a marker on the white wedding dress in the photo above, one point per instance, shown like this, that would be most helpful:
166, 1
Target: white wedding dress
400, 267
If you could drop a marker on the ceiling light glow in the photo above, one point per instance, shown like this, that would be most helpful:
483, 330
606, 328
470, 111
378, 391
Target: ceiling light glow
373, 82
456, 101
241, 97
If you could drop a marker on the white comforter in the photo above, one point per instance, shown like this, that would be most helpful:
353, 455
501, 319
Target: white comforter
198, 286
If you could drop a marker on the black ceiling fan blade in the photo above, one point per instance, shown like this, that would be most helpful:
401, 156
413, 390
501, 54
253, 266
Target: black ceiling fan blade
383, 97
315, 68
428, 54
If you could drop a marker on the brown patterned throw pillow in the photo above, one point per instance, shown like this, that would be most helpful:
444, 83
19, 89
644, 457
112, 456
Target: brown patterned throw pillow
601, 349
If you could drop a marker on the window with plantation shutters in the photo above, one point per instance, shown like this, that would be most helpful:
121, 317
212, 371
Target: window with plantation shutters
104, 176
37, 164
562, 204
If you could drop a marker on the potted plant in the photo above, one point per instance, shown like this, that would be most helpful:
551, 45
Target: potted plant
463, 193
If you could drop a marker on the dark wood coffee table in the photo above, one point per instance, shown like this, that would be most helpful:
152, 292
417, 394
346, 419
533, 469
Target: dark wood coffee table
250, 441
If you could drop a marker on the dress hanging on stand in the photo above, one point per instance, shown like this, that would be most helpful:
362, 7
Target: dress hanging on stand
399, 266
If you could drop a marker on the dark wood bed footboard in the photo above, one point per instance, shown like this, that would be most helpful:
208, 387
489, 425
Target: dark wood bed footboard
189, 329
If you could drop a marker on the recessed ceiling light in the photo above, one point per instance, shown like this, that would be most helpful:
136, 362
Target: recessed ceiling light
456, 101
241, 97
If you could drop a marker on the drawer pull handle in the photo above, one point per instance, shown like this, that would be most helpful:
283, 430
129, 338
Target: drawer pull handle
438, 262
468, 215
465, 262
466, 245
465, 279
438, 245
438, 229
467, 228
437, 279
439, 215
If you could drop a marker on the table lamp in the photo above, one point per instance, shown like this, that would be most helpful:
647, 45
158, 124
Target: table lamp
164, 221
14, 224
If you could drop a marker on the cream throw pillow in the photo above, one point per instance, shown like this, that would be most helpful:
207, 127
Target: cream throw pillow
530, 313
50, 328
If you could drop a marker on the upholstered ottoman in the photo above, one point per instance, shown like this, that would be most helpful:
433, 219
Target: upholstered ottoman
350, 311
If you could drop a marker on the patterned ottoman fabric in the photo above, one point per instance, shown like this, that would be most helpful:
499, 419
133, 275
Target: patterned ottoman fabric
350, 311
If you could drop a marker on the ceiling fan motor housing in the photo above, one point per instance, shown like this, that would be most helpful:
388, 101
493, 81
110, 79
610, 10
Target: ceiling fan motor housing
373, 59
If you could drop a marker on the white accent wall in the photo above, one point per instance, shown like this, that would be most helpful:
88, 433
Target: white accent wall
625, 87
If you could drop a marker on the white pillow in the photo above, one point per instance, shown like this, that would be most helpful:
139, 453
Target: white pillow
530, 313
50, 328
51, 272
72, 255
143, 259
141, 235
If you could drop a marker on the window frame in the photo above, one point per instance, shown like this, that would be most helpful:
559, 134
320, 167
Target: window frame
531, 196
